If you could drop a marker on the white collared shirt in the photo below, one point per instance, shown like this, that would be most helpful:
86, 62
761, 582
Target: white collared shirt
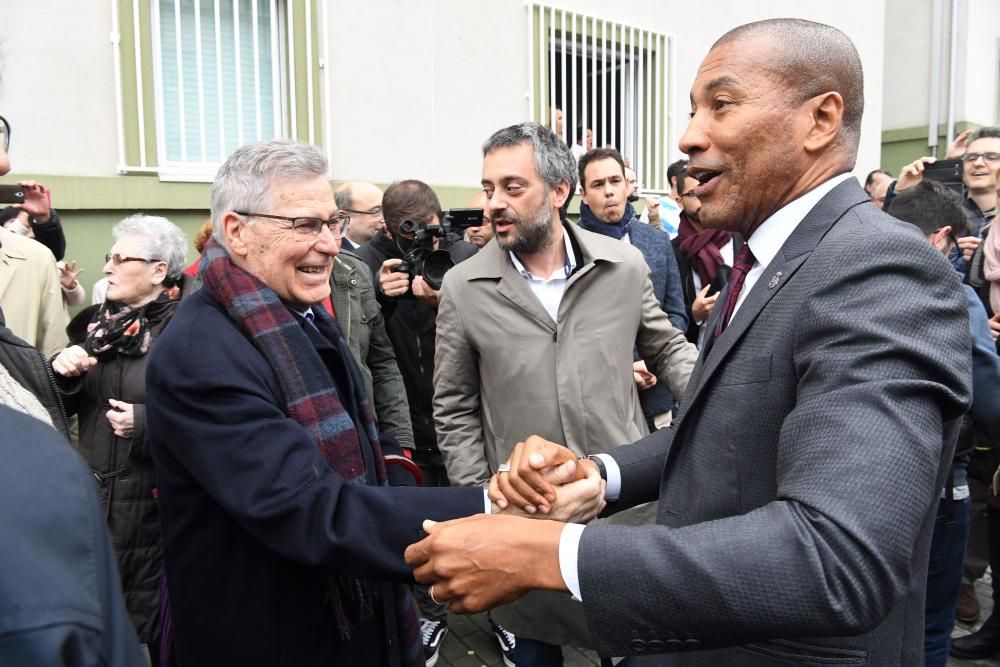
765, 242
306, 314
550, 290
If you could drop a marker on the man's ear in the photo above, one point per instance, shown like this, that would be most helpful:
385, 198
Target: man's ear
826, 120
233, 228
560, 194
940, 238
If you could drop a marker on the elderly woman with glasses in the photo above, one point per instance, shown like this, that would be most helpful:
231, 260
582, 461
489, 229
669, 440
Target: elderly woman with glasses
104, 383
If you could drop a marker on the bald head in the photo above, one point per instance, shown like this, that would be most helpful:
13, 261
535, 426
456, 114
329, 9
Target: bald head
363, 201
813, 58
481, 235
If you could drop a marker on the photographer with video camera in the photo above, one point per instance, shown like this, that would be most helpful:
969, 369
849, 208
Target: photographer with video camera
409, 257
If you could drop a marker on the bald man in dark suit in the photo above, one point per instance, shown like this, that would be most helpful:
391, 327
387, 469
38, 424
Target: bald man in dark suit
799, 484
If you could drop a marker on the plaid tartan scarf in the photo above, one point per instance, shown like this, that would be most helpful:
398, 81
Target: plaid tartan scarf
313, 399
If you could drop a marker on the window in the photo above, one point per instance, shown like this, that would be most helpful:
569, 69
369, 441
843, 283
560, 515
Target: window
199, 78
606, 77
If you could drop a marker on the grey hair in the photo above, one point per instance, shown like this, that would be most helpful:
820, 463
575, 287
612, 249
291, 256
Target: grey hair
243, 182
814, 58
988, 132
158, 239
553, 159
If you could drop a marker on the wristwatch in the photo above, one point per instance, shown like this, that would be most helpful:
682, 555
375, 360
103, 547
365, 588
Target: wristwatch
600, 466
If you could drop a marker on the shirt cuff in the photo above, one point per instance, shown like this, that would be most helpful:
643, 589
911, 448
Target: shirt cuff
489, 503
569, 546
614, 480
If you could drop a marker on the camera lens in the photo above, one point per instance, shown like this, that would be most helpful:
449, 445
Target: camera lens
436, 264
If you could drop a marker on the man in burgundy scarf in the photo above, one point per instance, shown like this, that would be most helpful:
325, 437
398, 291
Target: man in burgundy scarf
704, 257
283, 543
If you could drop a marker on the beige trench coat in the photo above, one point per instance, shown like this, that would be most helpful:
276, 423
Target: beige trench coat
505, 370
30, 293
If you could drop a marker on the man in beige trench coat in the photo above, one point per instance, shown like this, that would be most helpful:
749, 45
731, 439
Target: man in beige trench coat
535, 335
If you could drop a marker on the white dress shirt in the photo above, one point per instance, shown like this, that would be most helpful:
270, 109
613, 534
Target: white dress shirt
765, 242
549, 290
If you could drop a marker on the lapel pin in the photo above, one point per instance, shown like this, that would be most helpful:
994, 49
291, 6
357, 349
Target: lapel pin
774, 280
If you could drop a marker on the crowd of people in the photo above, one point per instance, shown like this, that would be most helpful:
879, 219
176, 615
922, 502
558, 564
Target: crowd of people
754, 423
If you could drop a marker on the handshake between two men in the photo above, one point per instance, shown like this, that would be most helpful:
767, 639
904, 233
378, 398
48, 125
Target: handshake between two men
478, 562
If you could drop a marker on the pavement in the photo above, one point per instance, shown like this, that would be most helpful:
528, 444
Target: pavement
470, 641
985, 608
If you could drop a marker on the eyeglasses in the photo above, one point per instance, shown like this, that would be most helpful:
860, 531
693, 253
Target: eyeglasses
306, 229
117, 259
374, 212
4, 134
987, 157
689, 195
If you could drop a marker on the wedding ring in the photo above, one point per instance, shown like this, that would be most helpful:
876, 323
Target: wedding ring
430, 591
503, 467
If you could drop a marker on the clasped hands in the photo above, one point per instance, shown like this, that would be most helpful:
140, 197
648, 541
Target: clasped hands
482, 561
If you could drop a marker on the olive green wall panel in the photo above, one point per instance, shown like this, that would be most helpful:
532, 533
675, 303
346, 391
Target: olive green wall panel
903, 146
88, 237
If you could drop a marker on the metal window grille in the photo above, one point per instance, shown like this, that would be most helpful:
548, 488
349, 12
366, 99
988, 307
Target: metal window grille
198, 78
607, 77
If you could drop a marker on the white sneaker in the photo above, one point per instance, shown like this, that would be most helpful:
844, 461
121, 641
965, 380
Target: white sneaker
506, 640
432, 634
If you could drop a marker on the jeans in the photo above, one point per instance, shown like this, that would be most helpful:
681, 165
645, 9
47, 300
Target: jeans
535, 653
944, 575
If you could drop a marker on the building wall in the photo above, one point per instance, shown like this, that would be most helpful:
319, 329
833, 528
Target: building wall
57, 87
906, 84
419, 100
982, 63
907, 76
414, 88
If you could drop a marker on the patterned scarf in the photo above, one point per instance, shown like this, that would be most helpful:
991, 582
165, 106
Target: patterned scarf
991, 263
702, 248
313, 400
616, 230
121, 329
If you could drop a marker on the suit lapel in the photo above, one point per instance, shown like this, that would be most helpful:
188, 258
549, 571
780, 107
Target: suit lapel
514, 288
792, 255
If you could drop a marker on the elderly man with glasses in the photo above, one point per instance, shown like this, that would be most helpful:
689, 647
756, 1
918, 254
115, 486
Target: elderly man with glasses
363, 202
283, 543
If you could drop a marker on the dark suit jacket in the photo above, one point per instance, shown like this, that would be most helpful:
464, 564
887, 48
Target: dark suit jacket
656, 249
799, 484
60, 597
658, 253
254, 521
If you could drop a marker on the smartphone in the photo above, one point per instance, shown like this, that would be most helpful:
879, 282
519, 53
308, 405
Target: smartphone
11, 194
946, 172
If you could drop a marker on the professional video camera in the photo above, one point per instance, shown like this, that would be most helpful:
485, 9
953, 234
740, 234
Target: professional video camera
423, 259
